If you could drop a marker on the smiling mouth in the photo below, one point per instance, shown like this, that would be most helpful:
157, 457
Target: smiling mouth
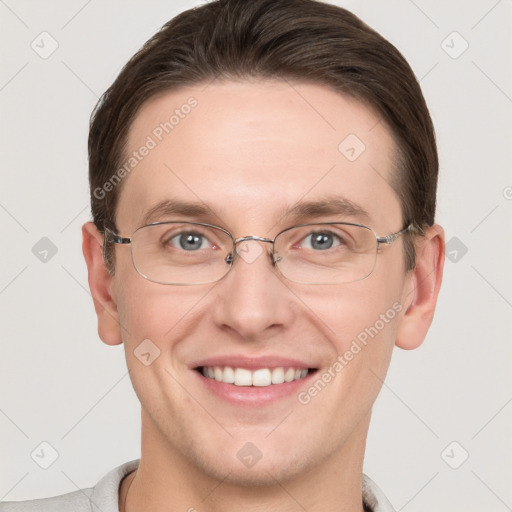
260, 377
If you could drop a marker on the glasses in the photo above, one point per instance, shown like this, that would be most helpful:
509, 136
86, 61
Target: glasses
191, 253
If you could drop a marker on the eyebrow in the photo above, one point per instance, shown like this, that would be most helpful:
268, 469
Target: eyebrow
330, 205
170, 207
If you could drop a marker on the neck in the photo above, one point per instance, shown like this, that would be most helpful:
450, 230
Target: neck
166, 480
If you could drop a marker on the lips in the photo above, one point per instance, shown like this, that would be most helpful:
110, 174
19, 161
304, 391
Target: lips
259, 377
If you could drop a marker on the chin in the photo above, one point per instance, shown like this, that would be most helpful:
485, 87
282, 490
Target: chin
243, 464
262, 474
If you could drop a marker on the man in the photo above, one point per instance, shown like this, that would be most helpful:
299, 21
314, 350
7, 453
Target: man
263, 183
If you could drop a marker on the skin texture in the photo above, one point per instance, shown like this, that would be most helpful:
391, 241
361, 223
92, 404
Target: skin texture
248, 149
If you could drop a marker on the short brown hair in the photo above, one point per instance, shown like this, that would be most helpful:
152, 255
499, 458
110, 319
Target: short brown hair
303, 40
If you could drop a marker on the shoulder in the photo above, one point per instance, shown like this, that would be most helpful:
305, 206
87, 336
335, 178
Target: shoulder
77, 501
373, 498
102, 497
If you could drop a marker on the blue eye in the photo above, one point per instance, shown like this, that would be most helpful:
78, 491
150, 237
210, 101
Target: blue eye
189, 241
321, 240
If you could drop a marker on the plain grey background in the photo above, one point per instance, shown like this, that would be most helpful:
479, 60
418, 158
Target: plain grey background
59, 384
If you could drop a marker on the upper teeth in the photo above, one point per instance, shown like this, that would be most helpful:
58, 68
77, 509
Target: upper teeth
260, 377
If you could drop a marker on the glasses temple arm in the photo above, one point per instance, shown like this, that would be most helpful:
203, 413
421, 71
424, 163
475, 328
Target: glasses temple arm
393, 236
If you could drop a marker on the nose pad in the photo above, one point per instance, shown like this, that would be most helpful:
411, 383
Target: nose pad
275, 258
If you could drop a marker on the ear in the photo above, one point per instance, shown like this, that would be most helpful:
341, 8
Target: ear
101, 284
421, 289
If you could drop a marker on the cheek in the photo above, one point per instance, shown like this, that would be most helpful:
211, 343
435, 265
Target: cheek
362, 321
160, 319
153, 319
363, 310
154, 311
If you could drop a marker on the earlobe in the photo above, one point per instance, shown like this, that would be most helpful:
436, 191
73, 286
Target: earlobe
101, 285
422, 289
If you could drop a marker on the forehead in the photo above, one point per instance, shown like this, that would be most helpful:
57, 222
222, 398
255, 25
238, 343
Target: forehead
249, 150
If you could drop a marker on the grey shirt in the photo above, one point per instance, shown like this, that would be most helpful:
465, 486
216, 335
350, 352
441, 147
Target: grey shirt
104, 496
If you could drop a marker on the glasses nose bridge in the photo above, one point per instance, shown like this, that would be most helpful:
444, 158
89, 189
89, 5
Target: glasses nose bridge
258, 238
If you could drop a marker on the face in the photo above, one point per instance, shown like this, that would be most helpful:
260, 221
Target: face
250, 151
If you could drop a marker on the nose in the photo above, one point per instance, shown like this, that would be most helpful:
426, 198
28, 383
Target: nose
252, 299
